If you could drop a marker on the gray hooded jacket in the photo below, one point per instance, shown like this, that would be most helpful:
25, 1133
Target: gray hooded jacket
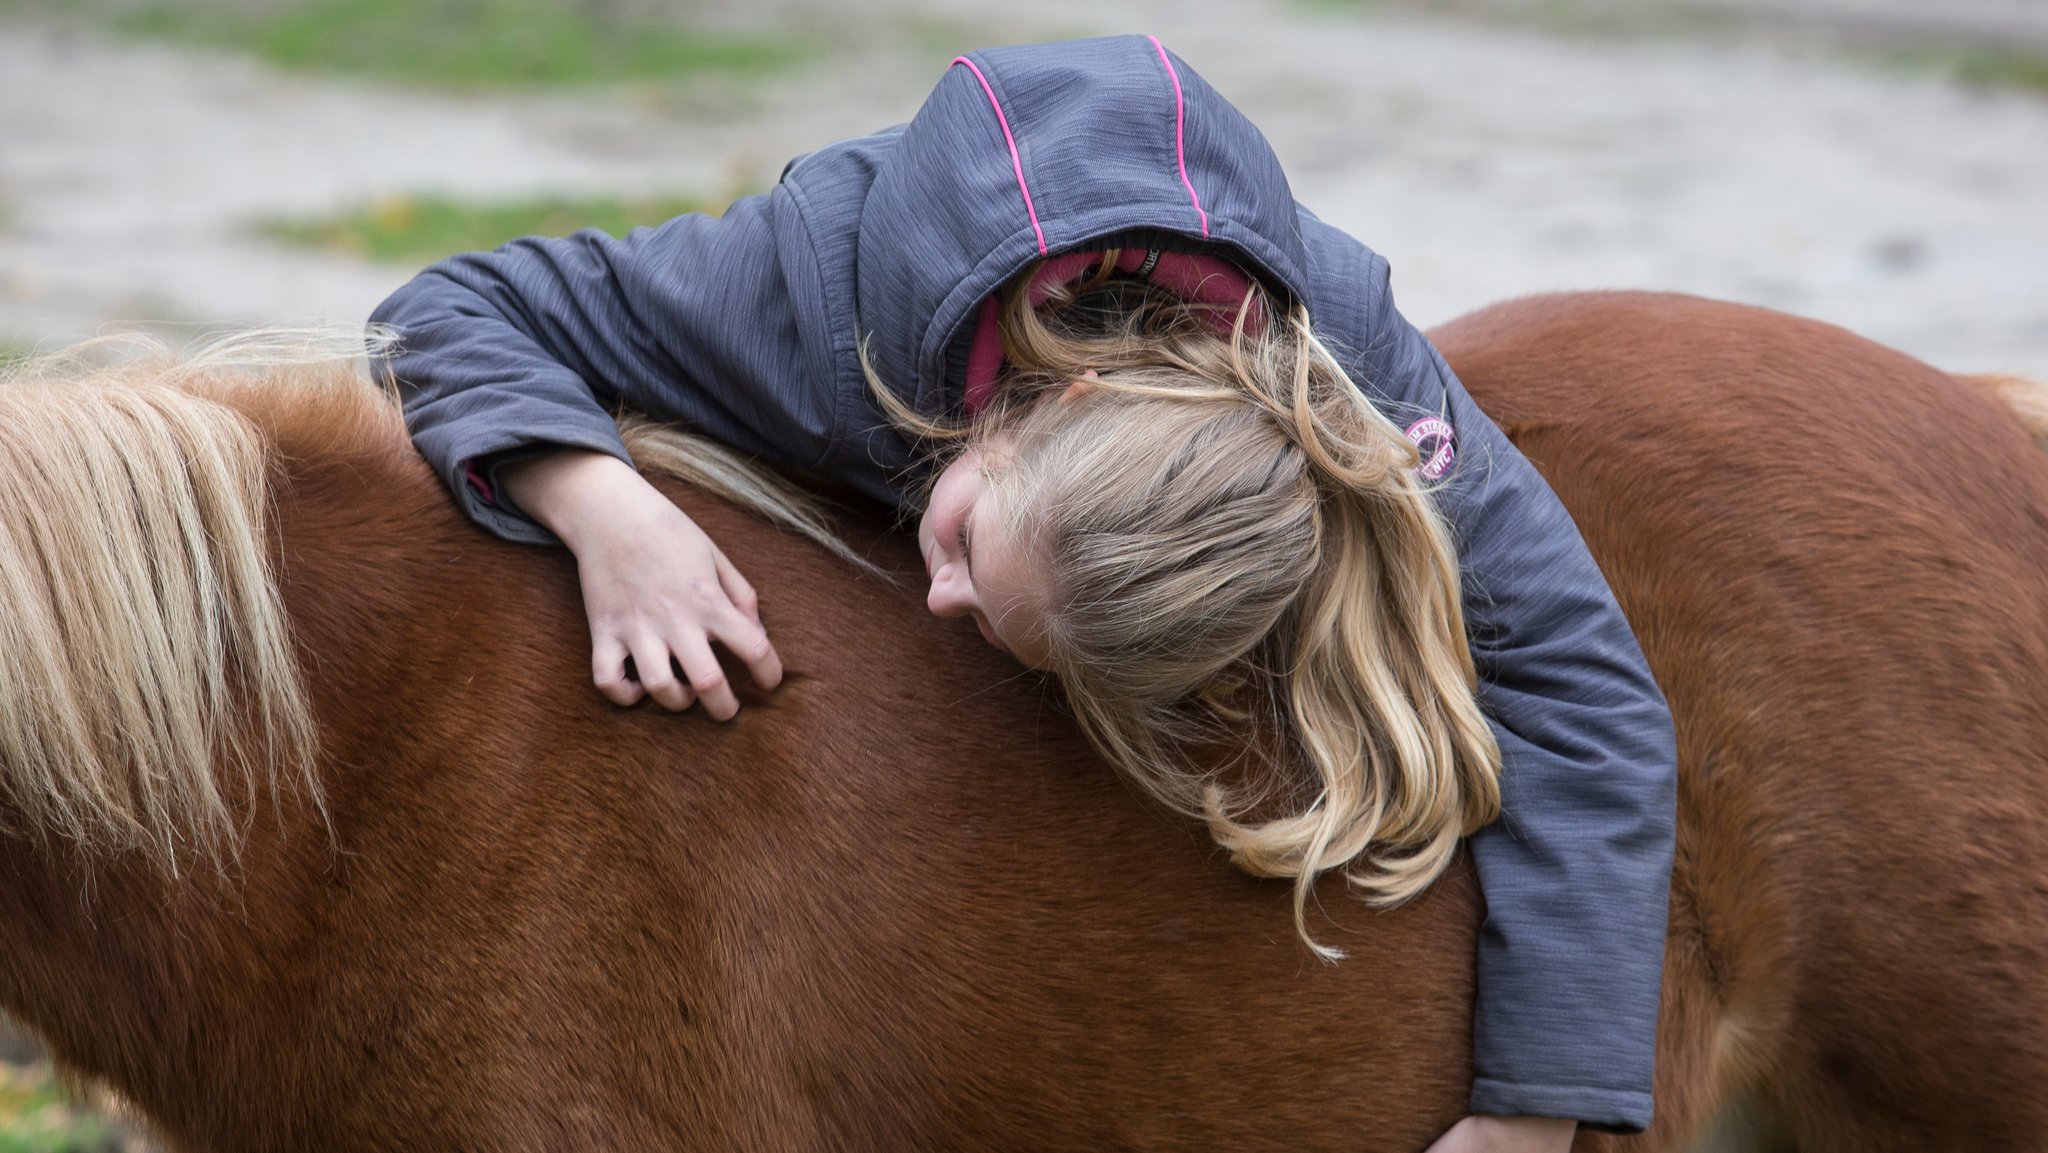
744, 326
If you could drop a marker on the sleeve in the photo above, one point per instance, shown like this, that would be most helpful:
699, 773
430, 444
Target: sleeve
1576, 874
502, 354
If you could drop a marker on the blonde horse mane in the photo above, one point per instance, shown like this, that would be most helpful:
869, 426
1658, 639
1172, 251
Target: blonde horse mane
149, 688
147, 678
718, 470
2027, 399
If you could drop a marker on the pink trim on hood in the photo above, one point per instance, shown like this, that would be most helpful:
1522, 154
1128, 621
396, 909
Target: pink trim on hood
1180, 152
1017, 162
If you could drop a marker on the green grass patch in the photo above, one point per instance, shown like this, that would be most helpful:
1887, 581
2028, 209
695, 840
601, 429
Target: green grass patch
423, 229
35, 1117
2011, 70
1988, 69
449, 43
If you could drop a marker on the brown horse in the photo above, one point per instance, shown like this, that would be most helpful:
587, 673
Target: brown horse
898, 904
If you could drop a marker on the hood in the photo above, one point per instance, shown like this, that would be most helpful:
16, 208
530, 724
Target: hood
1027, 152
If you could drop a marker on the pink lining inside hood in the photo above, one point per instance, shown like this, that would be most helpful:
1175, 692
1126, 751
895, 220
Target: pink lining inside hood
1206, 280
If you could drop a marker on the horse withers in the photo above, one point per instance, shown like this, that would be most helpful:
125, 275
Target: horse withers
411, 883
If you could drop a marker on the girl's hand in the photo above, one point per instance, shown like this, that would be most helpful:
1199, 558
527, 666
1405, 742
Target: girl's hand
1484, 1134
655, 587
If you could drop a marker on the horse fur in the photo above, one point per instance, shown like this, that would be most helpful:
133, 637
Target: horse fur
897, 903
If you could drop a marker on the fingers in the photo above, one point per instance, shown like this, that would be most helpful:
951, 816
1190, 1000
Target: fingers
708, 678
749, 642
612, 671
737, 589
616, 673
727, 622
739, 629
616, 668
655, 617
657, 674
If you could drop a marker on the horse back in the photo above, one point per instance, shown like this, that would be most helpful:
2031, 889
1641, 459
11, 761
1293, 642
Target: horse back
898, 903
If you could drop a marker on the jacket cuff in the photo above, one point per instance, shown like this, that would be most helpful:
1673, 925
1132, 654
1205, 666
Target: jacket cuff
484, 500
1609, 1110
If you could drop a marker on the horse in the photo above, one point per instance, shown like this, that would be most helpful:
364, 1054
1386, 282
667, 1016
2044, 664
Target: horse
313, 834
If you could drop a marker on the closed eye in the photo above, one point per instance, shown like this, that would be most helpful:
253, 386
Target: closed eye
966, 557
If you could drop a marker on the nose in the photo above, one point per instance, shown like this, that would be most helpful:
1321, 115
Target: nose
952, 595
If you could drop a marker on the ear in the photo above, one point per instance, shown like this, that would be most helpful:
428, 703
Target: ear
1079, 386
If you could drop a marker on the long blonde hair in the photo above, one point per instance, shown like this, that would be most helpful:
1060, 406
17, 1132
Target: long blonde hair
1236, 551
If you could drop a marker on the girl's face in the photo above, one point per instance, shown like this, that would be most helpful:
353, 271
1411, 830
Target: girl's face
974, 563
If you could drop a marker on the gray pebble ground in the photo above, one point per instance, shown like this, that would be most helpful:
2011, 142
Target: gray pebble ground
1781, 163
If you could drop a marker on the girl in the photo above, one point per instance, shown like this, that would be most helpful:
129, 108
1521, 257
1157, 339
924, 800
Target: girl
1199, 467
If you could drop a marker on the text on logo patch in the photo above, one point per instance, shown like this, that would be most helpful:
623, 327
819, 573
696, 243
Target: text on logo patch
1437, 440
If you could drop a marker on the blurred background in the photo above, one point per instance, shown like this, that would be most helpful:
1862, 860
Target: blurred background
190, 164
1882, 164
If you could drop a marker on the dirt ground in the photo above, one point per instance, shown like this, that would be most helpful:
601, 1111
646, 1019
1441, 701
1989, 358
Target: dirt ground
1486, 157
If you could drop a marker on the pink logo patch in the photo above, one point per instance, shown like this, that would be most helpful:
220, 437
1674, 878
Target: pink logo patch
1437, 440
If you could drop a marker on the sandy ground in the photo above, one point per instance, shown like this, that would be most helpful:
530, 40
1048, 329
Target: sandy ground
1485, 160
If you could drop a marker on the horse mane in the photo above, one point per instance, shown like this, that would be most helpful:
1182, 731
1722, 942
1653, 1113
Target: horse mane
705, 464
150, 690
2027, 399
147, 678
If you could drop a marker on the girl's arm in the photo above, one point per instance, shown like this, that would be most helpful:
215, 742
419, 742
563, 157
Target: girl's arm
1576, 873
702, 321
507, 364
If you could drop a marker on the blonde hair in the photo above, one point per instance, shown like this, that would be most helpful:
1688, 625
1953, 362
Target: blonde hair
148, 681
1235, 544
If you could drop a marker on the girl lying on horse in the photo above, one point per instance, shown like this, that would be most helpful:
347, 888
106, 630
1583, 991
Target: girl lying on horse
1172, 442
